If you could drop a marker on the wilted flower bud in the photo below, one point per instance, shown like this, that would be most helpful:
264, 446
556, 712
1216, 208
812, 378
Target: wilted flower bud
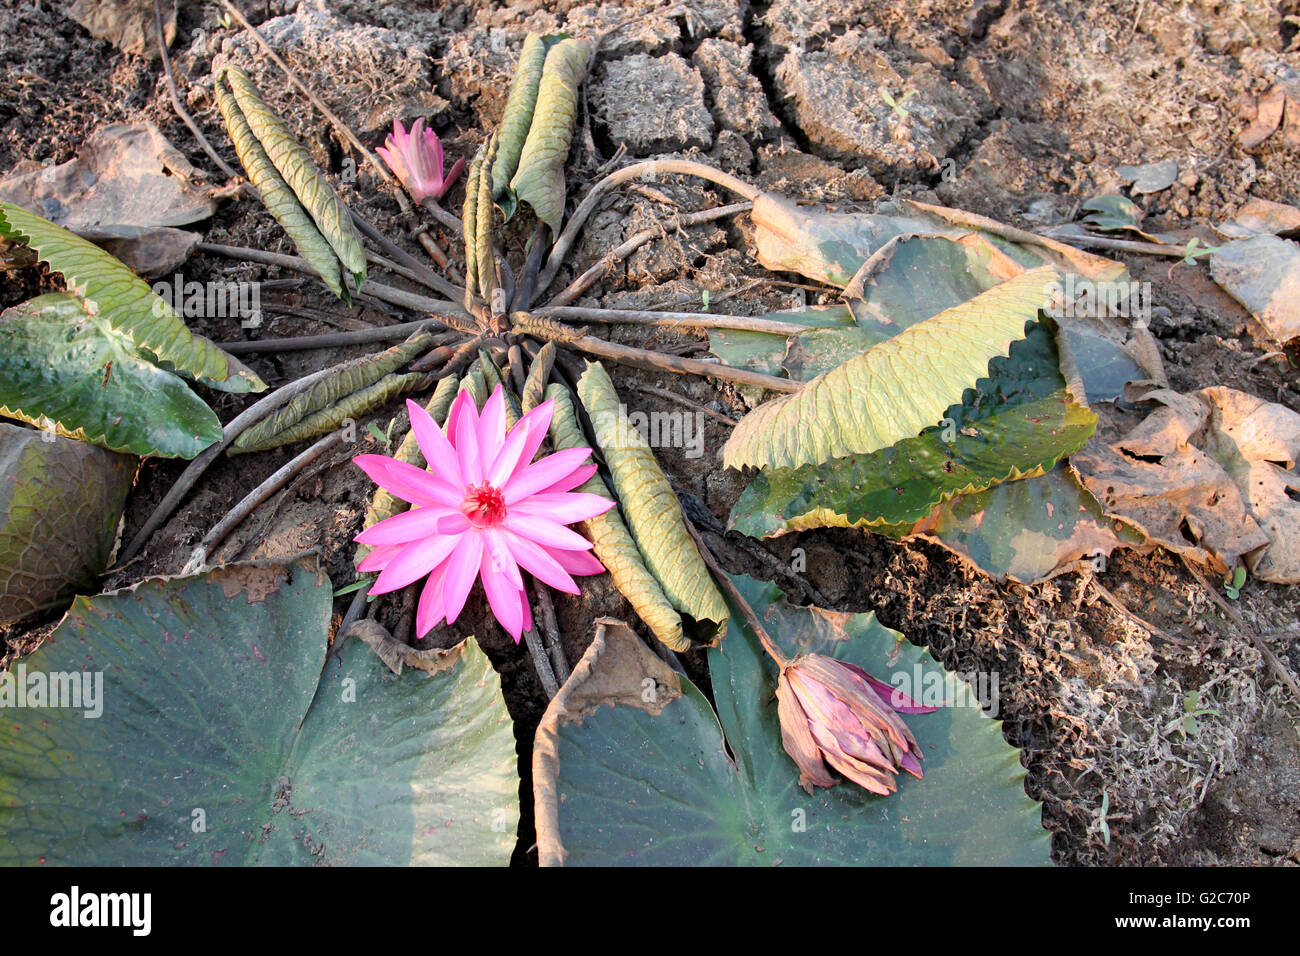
836, 713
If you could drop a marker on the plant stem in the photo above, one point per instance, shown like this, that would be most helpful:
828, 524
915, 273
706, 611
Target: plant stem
652, 167
620, 252
661, 361
551, 630
673, 320
249, 416
1120, 245
199, 558
175, 96
387, 333
735, 597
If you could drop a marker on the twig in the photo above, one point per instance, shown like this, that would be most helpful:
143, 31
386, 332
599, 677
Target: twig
1275, 664
661, 361
683, 400
427, 276
673, 320
648, 168
199, 558
551, 630
1121, 245
625, 249
176, 98
1120, 606
299, 343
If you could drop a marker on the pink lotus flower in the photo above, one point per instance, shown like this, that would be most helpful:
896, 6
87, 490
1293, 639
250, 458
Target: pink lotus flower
832, 712
483, 509
416, 159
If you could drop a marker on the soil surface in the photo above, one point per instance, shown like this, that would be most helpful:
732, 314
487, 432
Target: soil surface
1019, 110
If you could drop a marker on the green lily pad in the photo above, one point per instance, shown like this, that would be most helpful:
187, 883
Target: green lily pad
632, 765
60, 504
1027, 530
211, 736
59, 364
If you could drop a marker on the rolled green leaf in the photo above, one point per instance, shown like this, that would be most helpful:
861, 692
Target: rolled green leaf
483, 222
540, 177
278, 198
518, 117
535, 384
612, 542
653, 513
469, 227
308, 183
475, 382
335, 389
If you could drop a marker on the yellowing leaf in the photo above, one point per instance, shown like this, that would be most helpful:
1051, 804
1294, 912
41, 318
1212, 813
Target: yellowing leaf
895, 389
653, 512
308, 183
540, 179
611, 540
276, 195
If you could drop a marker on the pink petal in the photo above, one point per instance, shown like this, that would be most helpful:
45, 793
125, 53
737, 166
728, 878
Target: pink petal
565, 508
539, 420
378, 557
491, 428
542, 564
408, 482
449, 180
504, 598
466, 440
430, 609
434, 445
462, 569
455, 523
545, 532
573, 479
499, 557
408, 526
415, 561
528, 615
543, 473
890, 694
509, 456
578, 562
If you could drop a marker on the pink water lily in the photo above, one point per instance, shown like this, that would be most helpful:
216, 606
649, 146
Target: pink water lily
482, 510
416, 159
833, 712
